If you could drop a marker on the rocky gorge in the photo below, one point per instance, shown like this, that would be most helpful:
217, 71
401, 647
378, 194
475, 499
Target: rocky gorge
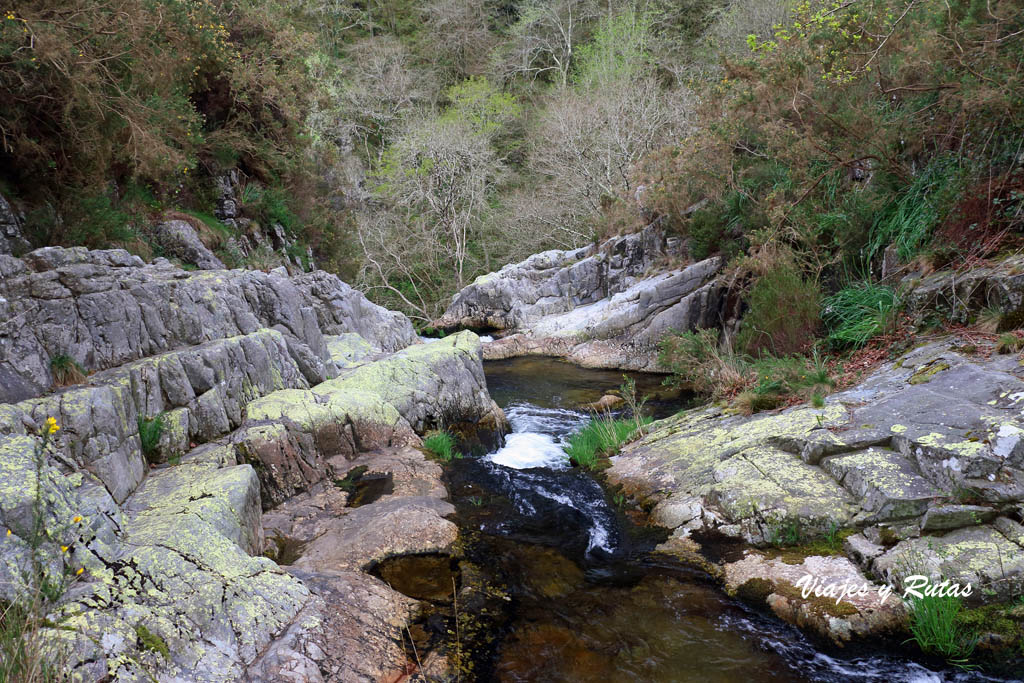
247, 536
266, 388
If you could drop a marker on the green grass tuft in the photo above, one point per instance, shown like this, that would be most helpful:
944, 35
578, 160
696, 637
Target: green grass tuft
442, 445
66, 370
936, 629
601, 436
855, 314
150, 431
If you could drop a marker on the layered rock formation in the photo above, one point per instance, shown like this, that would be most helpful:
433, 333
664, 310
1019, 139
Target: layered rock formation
595, 306
924, 460
266, 389
102, 309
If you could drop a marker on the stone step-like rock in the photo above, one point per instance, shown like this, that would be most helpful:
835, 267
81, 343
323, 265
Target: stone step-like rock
107, 308
352, 627
887, 485
946, 517
978, 555
289, 435
200, 393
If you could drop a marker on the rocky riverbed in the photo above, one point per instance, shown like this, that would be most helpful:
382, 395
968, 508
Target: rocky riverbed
237, 488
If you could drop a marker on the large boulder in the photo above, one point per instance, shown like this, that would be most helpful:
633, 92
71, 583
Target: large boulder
198, 394
594, 306
163, 584
102, 309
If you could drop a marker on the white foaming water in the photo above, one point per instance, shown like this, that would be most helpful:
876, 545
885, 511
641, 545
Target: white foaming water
537, 440
537, 437
485, 338
529, 449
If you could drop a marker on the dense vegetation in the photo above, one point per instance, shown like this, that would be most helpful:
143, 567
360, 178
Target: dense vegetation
417, 145
850, 134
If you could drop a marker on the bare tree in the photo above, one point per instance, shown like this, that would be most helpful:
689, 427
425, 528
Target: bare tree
588, 141
463, 40
545, 39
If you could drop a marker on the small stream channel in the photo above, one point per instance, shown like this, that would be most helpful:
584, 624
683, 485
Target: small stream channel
568, 589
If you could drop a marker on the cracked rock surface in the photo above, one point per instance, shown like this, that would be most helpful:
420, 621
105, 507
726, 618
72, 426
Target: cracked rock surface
924, 458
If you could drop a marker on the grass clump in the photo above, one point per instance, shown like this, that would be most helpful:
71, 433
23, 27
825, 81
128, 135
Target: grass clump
855, 314
441, 445
66, 370
1009, 342
150, 431
698, 362
602, 436
936, 628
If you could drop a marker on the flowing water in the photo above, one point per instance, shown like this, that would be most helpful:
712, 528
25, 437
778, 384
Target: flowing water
577, 596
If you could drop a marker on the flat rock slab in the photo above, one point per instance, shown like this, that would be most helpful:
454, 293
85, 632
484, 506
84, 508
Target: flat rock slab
369, 534
861, 613
350, 631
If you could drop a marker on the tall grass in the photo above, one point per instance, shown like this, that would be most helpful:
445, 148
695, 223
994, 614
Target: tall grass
601, 436
442, 445
855, 314
150, 431
936, 629
908, 220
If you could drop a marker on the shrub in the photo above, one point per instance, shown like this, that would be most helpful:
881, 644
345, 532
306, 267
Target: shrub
935, 628
442, 445
784, 313
150, 431
601, 436
855, 314
696, 362
66, 370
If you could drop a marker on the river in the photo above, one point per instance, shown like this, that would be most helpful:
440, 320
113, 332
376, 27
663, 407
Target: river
570, 588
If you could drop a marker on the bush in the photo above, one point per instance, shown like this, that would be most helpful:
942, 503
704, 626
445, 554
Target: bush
784, 313
855, 314
442, 445
935, 628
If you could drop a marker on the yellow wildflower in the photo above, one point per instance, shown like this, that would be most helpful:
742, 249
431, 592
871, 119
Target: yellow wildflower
80, 570
64, 548
51, 425
77, 519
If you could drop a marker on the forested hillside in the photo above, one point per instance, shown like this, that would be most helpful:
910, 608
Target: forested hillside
415, 145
